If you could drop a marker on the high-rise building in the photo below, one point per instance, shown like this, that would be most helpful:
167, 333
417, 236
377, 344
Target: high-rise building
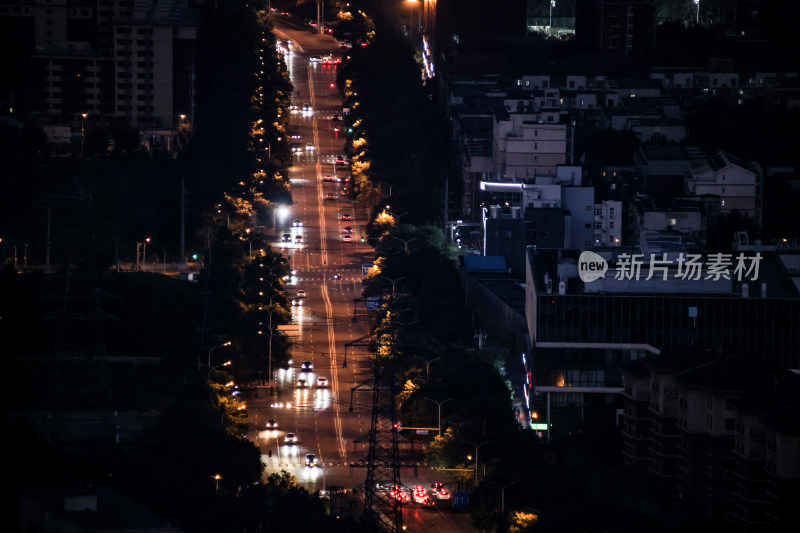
127, 59
624, 26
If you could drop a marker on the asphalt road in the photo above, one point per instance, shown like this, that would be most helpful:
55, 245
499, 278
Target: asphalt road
329, 422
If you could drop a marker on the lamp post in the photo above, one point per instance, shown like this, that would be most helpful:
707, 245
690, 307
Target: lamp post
226, 363
477, 447
216, 477
427, 363
393, 282
144, 253
405, 241
211, 350
83, 133
439, 404
502, 493
550, 26
697, 19
325, 473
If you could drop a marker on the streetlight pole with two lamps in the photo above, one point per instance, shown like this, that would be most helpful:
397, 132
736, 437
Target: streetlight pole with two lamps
210, 351
502, 493
439, 404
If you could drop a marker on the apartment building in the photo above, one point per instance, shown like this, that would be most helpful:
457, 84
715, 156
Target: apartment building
716, 430
132, 60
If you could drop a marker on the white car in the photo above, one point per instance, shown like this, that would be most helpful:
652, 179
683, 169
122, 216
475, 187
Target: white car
322, 382
302, 383
347, 237
290, 438
296, 223
310, 147
301, 293
297, 302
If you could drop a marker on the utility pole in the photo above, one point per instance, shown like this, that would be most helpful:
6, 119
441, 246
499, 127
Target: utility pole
183, 220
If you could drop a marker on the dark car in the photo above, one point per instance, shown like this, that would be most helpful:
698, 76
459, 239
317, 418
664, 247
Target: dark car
286, 237
306, 366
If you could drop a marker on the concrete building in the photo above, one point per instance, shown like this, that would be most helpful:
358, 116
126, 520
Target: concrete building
129, 60
525, 146
718, 432
581, 332
736, 184
608, 223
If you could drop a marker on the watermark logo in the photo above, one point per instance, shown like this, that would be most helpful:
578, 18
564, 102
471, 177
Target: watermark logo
591, 267
690, 267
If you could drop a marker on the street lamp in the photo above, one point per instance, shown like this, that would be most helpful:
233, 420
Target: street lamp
697, 3
405, 241
477, 446
226, 363
211, 350
550, 26
83, 132
144, 253
216, 477
427, 363
439, 404
393, 282
502, 493
325, 473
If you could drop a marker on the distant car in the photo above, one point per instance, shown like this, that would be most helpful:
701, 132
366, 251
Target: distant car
315, 59
298, 239
310, 147
347, 238
311, 459
420, 496
330, 196
302, 383
337, 277
399, 494
348, 229
347, 217
335, 117
322, 382
306, 108
439, 492
298, 302
301, 293
272, 424
295, 136
296, 223
286, 237
306, 366
290, 438
340, 160
297, 148
327, 177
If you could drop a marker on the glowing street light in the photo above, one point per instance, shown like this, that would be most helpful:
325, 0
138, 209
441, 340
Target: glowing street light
550, 26
697, 3
211, 350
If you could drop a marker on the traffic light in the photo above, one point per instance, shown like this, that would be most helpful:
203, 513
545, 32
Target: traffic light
195, 256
